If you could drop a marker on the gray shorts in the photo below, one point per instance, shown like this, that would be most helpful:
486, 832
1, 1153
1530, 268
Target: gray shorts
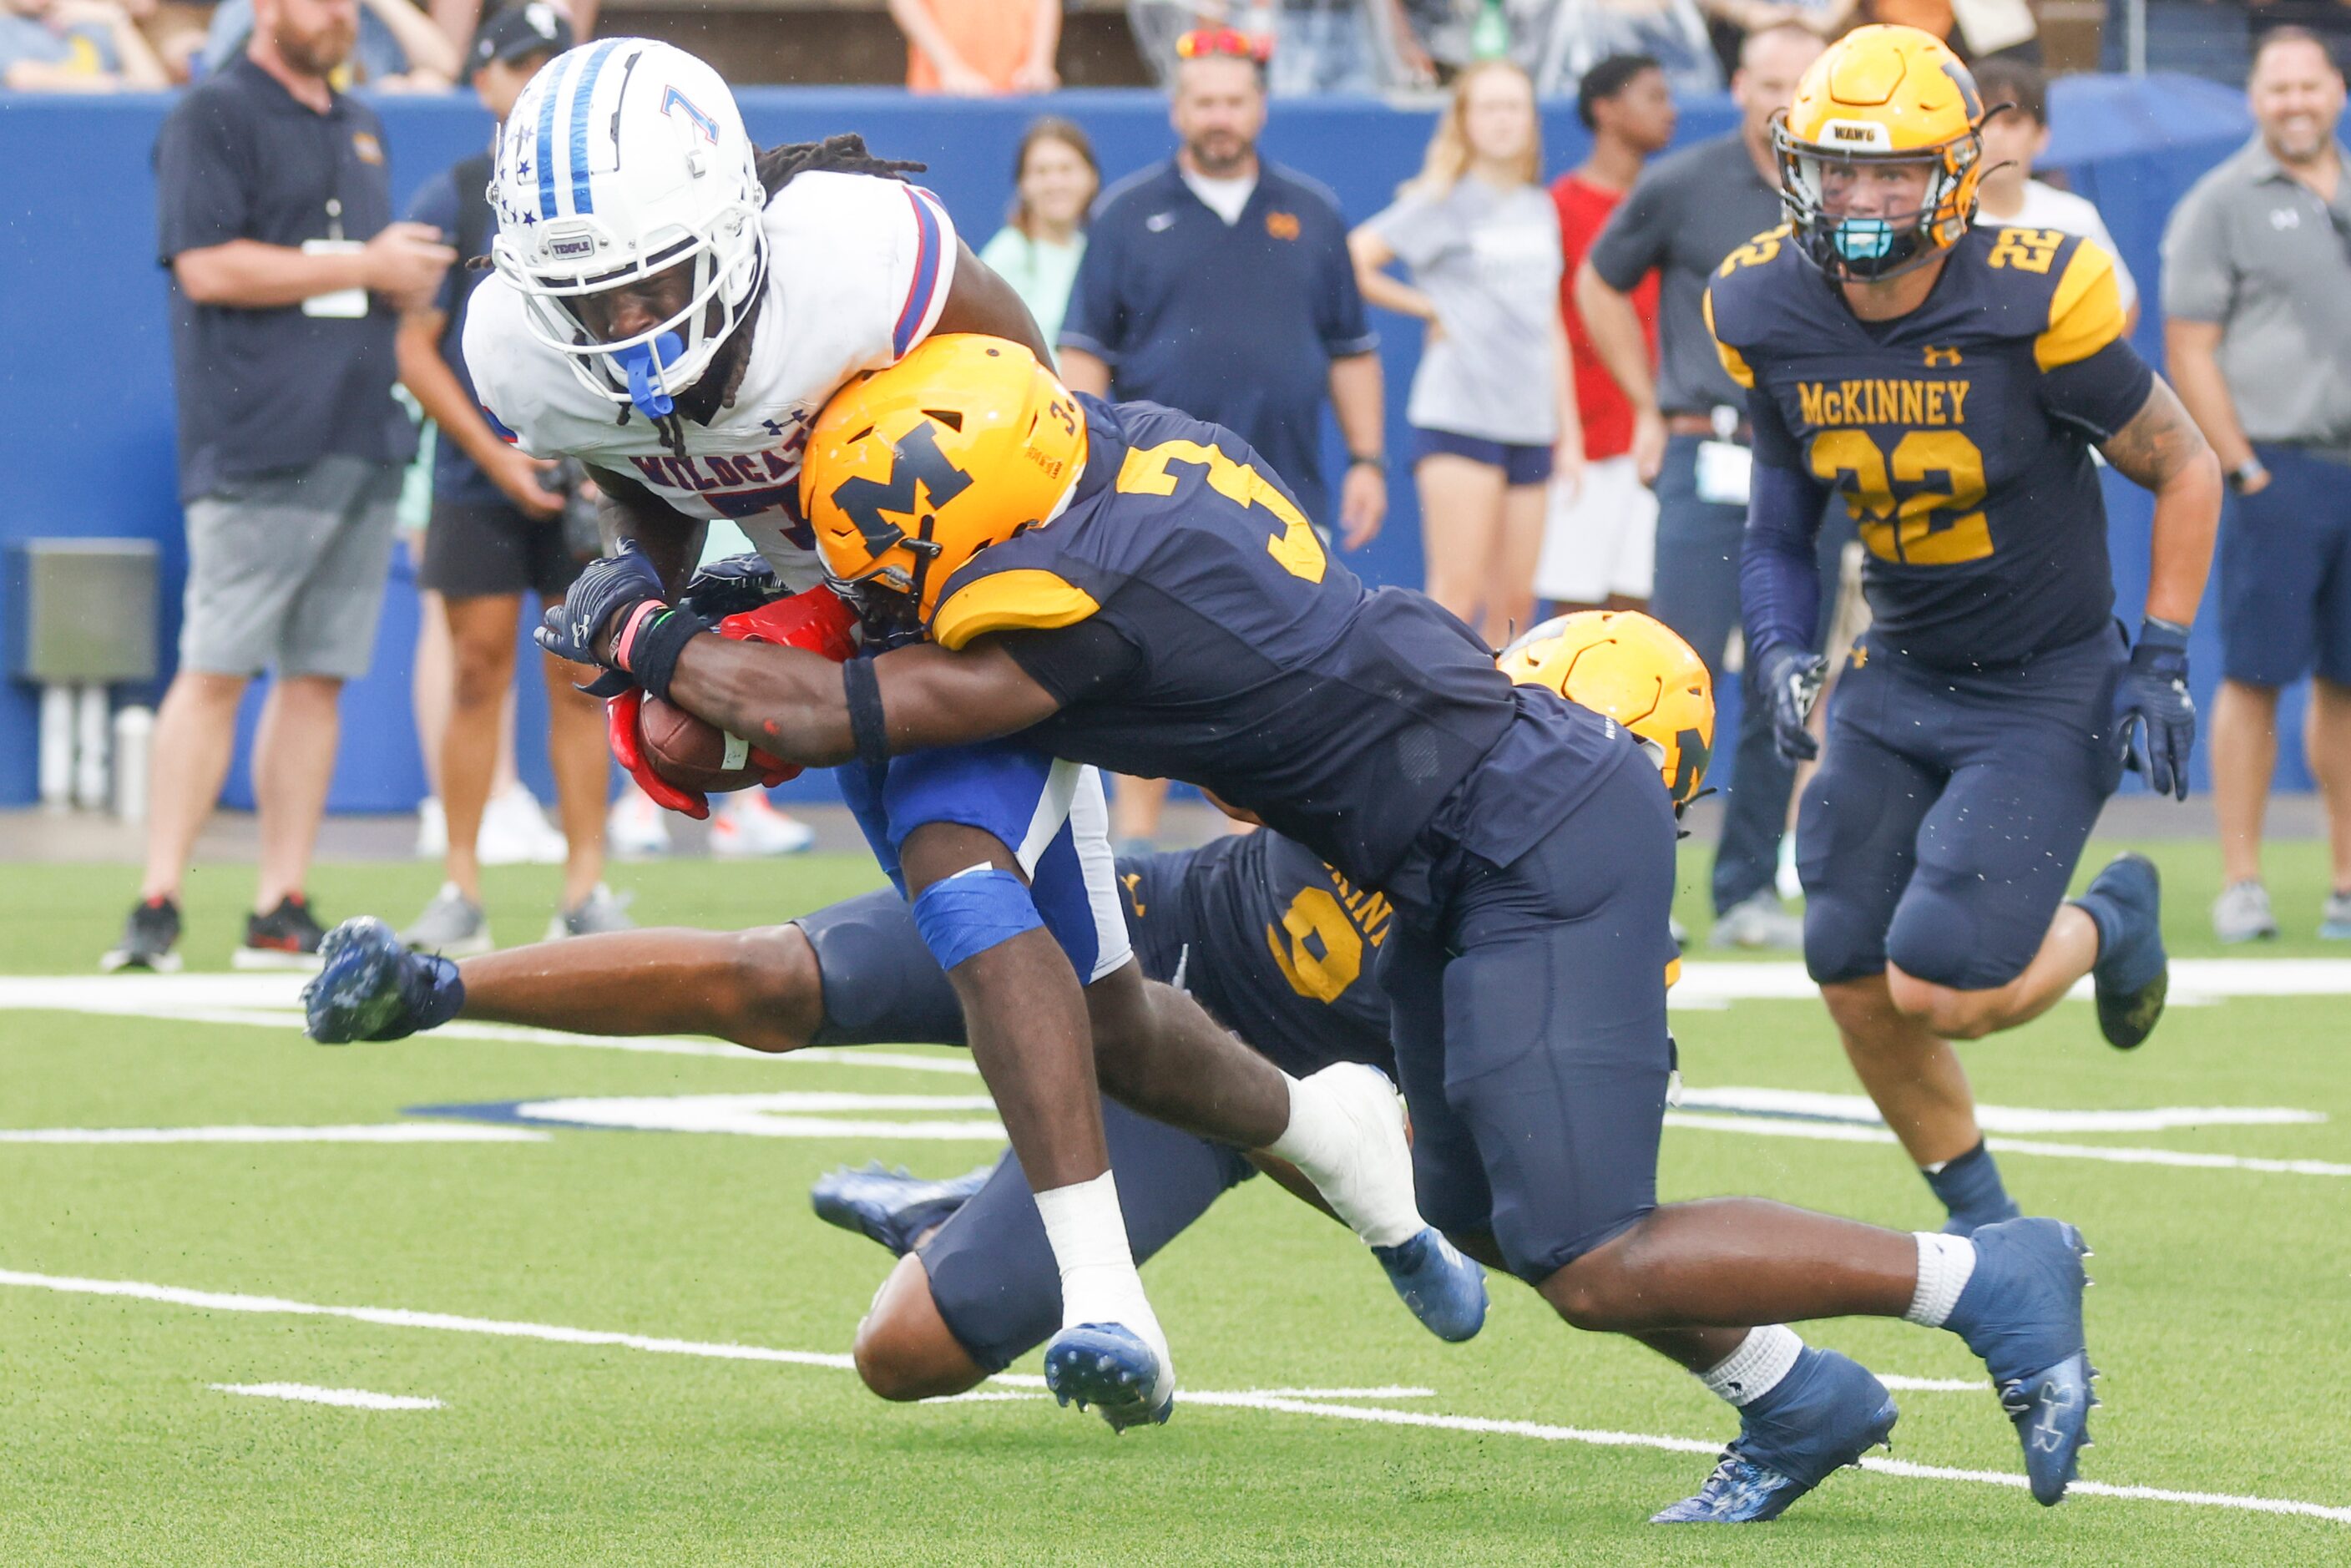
287, 571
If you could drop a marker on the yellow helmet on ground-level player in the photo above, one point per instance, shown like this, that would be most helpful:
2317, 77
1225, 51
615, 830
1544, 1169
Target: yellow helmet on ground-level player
912, 470
1637, 671
1881, 96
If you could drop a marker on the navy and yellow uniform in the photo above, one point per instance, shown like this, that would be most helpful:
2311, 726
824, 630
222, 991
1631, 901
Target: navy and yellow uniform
1971, 736
1193, 626
1274, 944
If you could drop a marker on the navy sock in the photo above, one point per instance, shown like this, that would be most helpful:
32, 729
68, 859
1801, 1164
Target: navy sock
1970, 1188
2103, 915
431, 994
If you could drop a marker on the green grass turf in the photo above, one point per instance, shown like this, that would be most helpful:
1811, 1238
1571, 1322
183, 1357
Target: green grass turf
2217, 1317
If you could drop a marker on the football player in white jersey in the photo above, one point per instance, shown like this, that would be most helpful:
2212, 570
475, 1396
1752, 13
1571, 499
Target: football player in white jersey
673, 308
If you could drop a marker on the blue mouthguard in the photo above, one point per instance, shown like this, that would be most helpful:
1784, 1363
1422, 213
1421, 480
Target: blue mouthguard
1864, 239
640, 361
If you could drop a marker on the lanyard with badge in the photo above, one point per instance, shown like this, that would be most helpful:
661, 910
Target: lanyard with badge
1726, 470
341, 304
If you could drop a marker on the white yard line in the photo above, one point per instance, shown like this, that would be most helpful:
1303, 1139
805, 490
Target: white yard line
350, 1398
369, 1132
1275, 1401
1840, 1133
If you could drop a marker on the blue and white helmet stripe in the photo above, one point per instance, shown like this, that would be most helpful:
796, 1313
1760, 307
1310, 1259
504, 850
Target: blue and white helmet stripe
569, 98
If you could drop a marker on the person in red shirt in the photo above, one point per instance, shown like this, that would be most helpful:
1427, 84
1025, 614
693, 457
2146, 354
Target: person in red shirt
1600, 541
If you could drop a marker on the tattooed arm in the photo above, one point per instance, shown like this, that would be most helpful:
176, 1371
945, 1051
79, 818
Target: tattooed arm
2162, 449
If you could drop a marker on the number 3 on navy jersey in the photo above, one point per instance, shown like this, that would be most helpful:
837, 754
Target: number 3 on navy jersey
1921, 504
1145, 473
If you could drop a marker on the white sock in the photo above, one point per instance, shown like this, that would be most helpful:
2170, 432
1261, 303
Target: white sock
1099, 1282
1373, 1195
1945, 1263
1762, 1359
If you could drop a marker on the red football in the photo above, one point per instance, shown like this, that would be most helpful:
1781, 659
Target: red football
692, 753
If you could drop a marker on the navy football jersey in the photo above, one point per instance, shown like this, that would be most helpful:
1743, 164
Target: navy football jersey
1190, 619
1958, 434
1277, 946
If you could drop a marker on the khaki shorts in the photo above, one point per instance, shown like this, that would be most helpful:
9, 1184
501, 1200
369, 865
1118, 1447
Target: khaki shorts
1602, 543
287, 570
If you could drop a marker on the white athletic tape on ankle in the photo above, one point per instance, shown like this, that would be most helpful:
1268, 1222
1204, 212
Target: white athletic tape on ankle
1762, 1359
1945, 1263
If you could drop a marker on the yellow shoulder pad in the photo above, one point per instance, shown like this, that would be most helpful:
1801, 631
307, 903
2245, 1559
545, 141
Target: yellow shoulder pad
1029, 599
1733, 362
2085, 312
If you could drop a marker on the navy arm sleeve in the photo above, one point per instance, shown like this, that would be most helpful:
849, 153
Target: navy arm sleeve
2100, 394
1074, 662
1779, 581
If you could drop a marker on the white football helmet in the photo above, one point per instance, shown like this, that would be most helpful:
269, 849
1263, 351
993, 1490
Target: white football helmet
623, 158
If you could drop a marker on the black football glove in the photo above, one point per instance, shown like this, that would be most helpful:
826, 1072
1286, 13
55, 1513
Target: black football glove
599, 604
2154, 718
1791, 678
730, 586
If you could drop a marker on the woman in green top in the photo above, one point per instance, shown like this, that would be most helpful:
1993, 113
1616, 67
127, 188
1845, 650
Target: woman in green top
1054, 181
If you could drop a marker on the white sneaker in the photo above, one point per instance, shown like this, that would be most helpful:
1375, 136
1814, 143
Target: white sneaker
1759, 922
634, 826
431, 829
2242, 913
515, 832
748, 824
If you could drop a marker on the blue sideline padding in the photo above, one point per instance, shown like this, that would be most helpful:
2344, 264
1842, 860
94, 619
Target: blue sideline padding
85, 357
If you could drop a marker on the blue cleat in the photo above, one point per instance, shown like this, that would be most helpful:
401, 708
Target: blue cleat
2133, 973
370, 986
889, 1206
1109, 1368
1445, 1290
2022, 1311
1828, 1412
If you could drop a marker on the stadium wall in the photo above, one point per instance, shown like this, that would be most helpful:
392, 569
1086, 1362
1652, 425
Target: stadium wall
85, 357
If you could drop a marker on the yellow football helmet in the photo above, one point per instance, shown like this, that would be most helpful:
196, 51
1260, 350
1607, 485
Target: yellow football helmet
1880, 97
1637, 671
912, 470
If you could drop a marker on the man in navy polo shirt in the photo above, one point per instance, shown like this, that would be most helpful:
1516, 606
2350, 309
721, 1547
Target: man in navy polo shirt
274, 215
1221, 285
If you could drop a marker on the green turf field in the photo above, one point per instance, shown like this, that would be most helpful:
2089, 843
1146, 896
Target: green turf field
2223, 1295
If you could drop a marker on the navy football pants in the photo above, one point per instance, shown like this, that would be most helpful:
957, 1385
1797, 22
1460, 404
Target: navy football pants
1531, 1031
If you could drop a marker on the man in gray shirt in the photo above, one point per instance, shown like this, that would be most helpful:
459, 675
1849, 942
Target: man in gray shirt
2257, 301
1690, 210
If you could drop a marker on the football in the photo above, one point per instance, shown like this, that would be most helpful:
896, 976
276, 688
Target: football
692, 753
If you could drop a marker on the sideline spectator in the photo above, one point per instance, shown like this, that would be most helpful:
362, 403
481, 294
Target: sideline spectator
1219, 284
1690, 210
398, 50
1579, 33
980, 49
1314, 46
497, 531
1491, 399
2013, 141
274, 216
1054, 182
460, 20
75, 45
2257, 301
1600, 543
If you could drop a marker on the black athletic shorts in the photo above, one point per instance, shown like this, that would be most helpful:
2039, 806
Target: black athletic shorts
472, 551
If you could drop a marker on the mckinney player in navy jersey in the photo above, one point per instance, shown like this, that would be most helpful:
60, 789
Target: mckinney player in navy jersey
1950, 382
1162, 607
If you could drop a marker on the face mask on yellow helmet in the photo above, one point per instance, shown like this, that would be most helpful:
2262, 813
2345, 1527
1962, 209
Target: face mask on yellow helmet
912, 471
1880, 98
1635, 670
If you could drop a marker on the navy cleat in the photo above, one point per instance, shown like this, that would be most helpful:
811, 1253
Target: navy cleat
1828, 1412
1445, 1290
2133, 973
370, 986
2022, 1311
1109, 1368
889, 1206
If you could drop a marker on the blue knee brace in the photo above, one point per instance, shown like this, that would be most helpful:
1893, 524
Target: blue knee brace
964, 915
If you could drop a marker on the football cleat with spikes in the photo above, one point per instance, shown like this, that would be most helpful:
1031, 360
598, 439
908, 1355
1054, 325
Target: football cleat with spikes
2022, 1311
1445, 1290
891, 1206
1114, 1371
370, 986
2133, 972
1828, 1412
